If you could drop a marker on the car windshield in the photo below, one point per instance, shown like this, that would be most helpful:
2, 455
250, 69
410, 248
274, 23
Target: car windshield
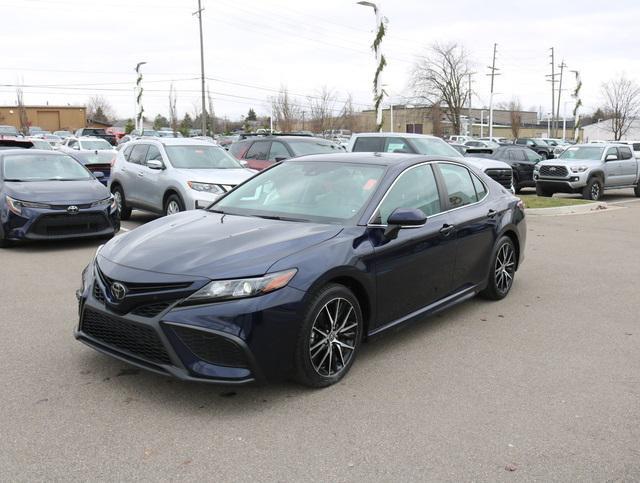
301, 148
582, 152
8, 130
434, 146
98, 145
319, 191
43, 167
200, 157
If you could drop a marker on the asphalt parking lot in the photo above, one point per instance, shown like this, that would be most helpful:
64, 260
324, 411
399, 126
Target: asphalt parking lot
544, 385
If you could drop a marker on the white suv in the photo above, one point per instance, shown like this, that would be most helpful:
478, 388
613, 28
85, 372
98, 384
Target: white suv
168, 175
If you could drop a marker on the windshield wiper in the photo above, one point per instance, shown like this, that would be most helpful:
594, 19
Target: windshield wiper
15, 180
280, 218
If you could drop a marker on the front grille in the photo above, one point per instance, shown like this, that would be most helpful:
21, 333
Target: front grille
139, 340
212, 348
151, 310
98, 294
553, 171
142, 288
502, 176
64, 224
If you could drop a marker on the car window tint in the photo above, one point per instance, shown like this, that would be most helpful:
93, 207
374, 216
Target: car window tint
278, 150
457, 180
414, 188
154, 153
481, 189
625, 153
72, 143
369, 145
138, 153
531, 155
397, 145
238, 149
259, 150
613, 151
127, 152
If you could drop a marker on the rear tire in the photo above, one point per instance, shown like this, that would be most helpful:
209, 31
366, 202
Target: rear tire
543, 155
326, 350
540, 191
125, 211
502, 270
636, 190
516, 185
173, 205
593, 190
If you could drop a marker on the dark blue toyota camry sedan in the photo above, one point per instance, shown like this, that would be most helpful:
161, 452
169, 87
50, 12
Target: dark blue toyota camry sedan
287, 274
48, 195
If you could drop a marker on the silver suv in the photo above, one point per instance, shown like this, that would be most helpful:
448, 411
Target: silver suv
169, 175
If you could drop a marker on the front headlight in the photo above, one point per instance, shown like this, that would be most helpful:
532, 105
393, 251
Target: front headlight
219, 290
17, 205
110, 201
579, 169
207, 187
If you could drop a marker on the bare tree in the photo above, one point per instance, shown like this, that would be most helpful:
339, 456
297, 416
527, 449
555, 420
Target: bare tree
284, 110
441, 76
23, 119
515, 116
622, 104
99, 109
173, 113
347, 114
322, 107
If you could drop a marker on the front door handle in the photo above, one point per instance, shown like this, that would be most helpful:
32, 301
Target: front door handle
492, 214
447, 230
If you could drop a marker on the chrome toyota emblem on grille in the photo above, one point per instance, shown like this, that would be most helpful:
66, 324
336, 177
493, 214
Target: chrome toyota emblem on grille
118, 291
72, 210
552, 168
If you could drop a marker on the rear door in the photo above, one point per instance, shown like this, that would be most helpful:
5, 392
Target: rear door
415, 269
475, 219
613, 168
257, 156
628, 165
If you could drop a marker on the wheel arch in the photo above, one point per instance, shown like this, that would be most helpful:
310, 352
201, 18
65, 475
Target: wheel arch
169, 192
513, 235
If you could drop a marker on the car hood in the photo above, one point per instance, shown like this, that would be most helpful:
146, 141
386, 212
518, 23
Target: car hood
205, 244
486, 163
95, 157
217, 176
57, 192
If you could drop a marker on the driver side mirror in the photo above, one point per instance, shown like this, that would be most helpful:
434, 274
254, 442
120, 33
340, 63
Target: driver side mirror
404, 218
155, 164
76, 147
611, 157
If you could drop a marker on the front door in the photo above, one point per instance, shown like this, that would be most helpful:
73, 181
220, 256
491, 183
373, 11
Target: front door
134, 172
149, 186
415, 269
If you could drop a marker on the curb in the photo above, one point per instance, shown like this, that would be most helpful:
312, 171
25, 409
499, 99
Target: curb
585, 208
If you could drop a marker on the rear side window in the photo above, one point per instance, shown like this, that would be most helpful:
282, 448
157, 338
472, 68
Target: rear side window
636, 146
397, 145
414, 188
517, 155
238, 149
460, 187
625, 153
369, 145
127, 152
278, 150
481, 189
138, 153
258, 150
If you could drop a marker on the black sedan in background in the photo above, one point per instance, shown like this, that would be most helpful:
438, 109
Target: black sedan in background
521, 159
49, 195
288, 273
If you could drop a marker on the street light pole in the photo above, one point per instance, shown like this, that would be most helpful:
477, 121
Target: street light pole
204, 106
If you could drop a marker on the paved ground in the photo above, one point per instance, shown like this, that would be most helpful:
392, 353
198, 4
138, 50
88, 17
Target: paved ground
544, 385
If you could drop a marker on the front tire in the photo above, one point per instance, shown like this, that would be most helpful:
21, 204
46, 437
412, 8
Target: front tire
540, 191
502, 271
329, 338
173, 205
593, 190
118, 194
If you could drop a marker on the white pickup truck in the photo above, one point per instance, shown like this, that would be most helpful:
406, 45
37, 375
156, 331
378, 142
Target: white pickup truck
589, 169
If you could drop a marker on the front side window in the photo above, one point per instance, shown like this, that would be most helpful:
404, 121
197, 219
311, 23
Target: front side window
368, 145
460, 188
532, 156
319, 191
397, 145
138, 154
611, 152
414, 188
154, 153
278, 150
259, 150
200, 157
43, 167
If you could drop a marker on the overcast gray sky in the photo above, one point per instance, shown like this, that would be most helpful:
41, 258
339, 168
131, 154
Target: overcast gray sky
82, 47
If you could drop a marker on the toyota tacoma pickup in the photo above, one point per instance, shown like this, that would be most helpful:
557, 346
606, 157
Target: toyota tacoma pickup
589, 169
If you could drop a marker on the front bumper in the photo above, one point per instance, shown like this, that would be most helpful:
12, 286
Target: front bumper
232, 342
571, 183
58, 224
199, 199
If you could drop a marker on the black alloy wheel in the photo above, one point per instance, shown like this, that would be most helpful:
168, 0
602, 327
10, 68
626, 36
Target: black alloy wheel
593, 190
329, 338
502, 271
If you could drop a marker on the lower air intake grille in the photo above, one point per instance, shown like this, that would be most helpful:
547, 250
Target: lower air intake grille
212, 348
151, 310
136, 339
502, 176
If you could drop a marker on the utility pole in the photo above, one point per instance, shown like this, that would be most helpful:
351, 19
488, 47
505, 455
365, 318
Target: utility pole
562, 66
553, 91
493, 70
469, 123
204, 107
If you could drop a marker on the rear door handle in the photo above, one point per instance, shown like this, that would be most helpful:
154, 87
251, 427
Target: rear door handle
492, 214
447, 230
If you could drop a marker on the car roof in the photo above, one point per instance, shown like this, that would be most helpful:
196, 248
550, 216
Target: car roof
173, 141
383, 159
50, 152
395, 134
